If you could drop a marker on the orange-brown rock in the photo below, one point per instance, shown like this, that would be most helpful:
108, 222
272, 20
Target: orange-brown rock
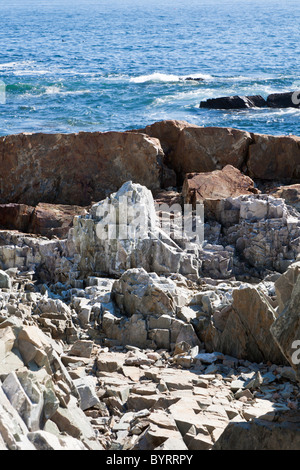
274, 157
48, 220
76, 169
216, 185
203, 149
53, 219
168, 133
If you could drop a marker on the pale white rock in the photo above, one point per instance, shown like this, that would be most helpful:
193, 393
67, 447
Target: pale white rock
86, 387
7, 339
33, 380
82, 348
43, 440
53, 258
123, 232
29, 405
13, 430
208, 358
146, 293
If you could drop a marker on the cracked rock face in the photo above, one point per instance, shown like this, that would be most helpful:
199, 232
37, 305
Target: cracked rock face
216, 185
286, 328
153, 340
241, 331
272, 157
202, 149
262, 229
110, 243
76, 168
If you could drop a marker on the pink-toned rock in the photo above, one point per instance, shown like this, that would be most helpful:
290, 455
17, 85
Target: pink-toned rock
203, 149
168, 133
47, 220
274, 157
54, 219
76, 169
216, 185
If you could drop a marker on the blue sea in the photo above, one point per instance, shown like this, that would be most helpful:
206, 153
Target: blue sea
100, 65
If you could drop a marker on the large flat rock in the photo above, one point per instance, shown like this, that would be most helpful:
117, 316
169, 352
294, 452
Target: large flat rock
274, 157
202, 149
76, 168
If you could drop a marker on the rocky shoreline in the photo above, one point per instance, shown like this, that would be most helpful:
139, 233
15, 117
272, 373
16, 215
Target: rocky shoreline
161, 339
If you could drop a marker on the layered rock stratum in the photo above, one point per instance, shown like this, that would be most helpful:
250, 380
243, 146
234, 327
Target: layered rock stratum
149, 290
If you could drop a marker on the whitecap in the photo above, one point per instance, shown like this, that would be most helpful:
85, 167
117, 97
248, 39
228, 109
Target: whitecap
52, 90
155, 77
56, 90
12, 65
165, 77
180, 96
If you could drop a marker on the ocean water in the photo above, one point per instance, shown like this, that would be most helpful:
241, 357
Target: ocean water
99, 65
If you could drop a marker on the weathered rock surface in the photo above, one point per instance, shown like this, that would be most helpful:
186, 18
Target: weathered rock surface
36, 390
274, 157
49, 220
56, 395
286, 328
96, 164
263, 230
260, 434
190, 148
145, 342
15, 216
202, 149
285, 284
123, 232
215, 185
76, 168
52, 259
240, 331
167, 132
290, 194
170, 198
155, 307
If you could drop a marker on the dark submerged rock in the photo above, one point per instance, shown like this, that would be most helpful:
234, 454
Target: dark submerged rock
284, 100
234, 102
